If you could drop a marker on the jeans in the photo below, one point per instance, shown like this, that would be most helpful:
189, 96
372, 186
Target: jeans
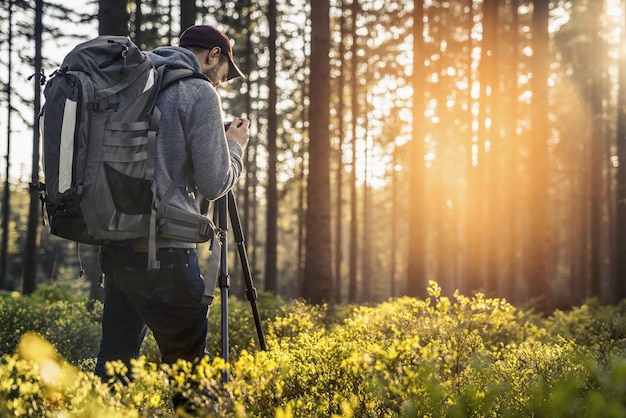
168, 301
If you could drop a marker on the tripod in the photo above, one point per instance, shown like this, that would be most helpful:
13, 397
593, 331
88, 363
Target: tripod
224, 206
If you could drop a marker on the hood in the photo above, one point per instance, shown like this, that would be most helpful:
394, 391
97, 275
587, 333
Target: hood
174, 56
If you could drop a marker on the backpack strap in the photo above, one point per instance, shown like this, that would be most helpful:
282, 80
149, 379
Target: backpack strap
171, 74
210, 280
157, 209
170, 190
166, 76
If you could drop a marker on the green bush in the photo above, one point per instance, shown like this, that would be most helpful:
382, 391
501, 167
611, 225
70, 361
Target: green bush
65, 317
71, 324
242, 333
453, 357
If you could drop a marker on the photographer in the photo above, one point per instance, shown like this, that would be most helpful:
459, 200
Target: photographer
192, 138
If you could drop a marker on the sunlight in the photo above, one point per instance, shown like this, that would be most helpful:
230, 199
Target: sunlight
377, 173
559, 16
388, 121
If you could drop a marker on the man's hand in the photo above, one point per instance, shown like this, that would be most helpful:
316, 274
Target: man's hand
238, 131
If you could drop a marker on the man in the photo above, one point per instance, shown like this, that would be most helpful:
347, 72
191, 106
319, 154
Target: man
191, 136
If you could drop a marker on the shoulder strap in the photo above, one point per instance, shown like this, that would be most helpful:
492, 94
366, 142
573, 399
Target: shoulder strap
166, 77
170, 190
170, 75
156, 211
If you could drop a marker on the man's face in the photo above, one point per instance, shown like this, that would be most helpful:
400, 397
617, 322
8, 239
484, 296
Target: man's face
217, 72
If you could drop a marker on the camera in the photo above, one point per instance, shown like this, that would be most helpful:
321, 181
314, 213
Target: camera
230, 122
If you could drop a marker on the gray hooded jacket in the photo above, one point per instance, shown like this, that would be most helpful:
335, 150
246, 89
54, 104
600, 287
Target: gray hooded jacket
191, 134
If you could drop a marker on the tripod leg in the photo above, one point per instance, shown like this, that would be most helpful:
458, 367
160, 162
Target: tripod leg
251, 292
224, 279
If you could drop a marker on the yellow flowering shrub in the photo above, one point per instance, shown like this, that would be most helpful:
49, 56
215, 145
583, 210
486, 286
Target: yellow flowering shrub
455, 357
37, 382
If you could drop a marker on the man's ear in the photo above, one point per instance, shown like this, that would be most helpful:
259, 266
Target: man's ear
214, 54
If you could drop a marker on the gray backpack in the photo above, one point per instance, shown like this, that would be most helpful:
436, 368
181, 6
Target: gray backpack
99, 125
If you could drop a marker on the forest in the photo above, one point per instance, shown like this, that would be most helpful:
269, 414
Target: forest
432, 206
474, 143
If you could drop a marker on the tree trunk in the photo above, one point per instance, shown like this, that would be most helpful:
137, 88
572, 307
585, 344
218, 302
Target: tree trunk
416, 272
247, 198
271, 238
510, 175
366, 249
338, 242
6, 207
317, 270
395, 202
353, 288
619, 258
113, 17
596, 59
536, 244
29, 279
302, 166
138, 23
188, 13
492, 218
478, 200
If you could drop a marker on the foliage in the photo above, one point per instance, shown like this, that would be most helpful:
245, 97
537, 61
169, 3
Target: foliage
460, 357
72, 325
242, 334
37, 382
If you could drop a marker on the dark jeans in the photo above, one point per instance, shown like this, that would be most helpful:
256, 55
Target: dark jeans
168, 301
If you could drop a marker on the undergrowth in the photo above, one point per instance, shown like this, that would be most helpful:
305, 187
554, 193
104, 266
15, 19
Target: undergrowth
455, 357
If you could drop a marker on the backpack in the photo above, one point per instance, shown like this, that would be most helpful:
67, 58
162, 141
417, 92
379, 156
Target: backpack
98, 127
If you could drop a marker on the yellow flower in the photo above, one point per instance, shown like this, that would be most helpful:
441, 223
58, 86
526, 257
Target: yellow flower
34, 348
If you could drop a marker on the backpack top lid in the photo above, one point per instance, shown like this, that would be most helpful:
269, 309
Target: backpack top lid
110, 60
102, 52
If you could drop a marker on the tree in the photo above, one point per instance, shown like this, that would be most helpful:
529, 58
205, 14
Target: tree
137, 23
619, 270
476, 224
188, 13
29, 280
596, 91
113, 17
317, 286
6, 198
536, 271
339, 169
510, 176
353, 288
489, 120
416, 272
271, 238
